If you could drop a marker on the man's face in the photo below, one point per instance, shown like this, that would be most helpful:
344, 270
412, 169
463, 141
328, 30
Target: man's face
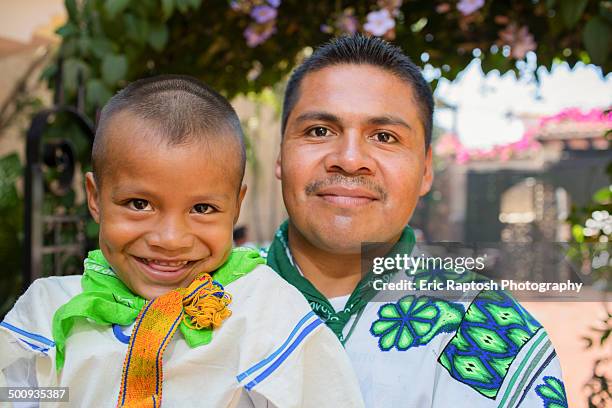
166, 213
353, 162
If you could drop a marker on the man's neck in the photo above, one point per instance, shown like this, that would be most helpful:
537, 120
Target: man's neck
332, 274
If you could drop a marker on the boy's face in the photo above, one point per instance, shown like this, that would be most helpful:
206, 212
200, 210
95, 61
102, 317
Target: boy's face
166, 213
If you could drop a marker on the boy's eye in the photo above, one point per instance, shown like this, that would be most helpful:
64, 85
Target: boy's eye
202, 208
140, 205
319, 131
384, 137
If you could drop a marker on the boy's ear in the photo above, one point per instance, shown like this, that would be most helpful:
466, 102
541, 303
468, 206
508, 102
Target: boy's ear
93, 196
277, 167
241, 194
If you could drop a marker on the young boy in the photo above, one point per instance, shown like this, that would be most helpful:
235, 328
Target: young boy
166, 189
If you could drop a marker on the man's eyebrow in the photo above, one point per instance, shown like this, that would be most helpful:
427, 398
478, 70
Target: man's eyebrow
319, 116
388, 120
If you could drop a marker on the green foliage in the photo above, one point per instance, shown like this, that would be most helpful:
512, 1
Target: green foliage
597, 35
112, 42
572, 10
600, 201
114, 68
11, 231
589, 246
12, 210
593, 242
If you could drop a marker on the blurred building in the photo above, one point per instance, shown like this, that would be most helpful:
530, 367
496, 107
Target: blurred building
521, 192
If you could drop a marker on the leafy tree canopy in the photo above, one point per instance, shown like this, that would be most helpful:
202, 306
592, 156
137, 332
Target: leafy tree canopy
246, 45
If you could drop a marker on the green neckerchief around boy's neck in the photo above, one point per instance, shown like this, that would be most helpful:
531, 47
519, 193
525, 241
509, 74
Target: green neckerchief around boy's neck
279, 258
106, 300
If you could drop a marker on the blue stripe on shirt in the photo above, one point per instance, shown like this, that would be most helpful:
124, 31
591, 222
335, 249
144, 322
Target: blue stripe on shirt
284, 356
27, 334
35, 347
271, 357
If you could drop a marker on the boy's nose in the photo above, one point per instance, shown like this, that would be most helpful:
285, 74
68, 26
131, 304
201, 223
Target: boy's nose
171, 234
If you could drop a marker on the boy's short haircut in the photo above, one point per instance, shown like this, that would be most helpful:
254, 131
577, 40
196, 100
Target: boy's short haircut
180, 108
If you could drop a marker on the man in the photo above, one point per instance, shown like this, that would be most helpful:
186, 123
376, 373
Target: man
355, 158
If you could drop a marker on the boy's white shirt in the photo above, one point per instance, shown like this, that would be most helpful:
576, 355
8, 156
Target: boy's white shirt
272, 351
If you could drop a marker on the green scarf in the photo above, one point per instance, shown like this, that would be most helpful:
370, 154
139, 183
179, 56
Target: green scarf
106, 300
279, 260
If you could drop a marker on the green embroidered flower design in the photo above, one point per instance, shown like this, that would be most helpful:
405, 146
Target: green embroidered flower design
413, 321
491, 334
552, 393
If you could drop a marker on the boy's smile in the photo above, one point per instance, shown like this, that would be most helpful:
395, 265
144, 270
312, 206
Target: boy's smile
164, 270
166, 212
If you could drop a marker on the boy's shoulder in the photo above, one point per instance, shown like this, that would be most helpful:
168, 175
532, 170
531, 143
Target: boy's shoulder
261, 281
263, 284
47, 294
31, 317
263, 302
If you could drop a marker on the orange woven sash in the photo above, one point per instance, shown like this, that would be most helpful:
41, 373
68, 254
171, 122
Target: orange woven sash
201, 305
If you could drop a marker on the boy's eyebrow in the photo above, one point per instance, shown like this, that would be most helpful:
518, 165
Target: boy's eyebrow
132, 191
129, 191
210, 197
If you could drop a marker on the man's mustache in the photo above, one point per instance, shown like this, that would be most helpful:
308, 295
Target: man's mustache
314, 187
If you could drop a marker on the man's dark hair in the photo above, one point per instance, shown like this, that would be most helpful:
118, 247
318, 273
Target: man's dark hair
181, 109
361, 50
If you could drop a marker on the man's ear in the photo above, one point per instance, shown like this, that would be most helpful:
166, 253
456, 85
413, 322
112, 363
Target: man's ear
241, 194
93, 196
427, 173
277, 167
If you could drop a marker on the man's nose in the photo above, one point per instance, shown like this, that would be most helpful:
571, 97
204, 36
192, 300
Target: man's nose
171, 234
351, 155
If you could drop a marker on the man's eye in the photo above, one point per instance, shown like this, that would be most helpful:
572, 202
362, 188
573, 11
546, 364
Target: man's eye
319, 131
384, 137
202, 208
140, 205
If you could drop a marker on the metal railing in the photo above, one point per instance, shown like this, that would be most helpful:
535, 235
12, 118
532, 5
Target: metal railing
56, 157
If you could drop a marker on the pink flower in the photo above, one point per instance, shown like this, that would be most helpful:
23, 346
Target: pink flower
263, 14
255, 35
447, 145
326, 28
443, 8
505, 153
389, 4
469, 6
519, 40
379, 22
522, 145
347, 24
524, 43
463, 156
576, 115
